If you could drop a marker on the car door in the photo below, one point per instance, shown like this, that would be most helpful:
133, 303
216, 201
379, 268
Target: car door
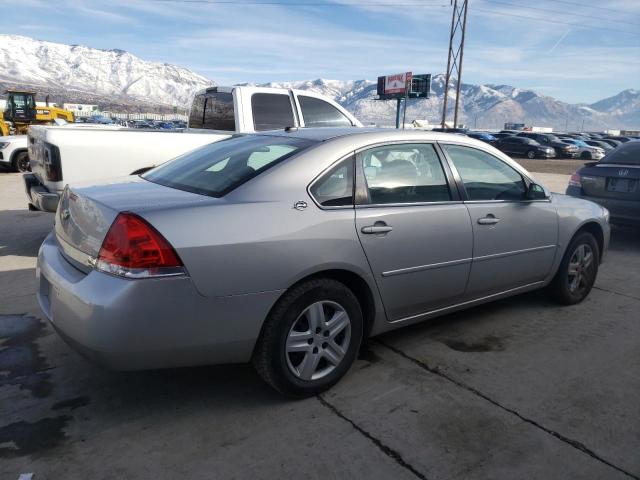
413, 226
514, 239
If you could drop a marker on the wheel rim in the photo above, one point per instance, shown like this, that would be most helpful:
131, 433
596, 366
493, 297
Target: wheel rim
531, 154
318, 340
23, 164
581, 268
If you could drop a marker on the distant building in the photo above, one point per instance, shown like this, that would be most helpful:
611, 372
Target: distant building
81, 109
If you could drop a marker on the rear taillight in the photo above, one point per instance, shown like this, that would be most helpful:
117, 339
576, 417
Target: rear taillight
52, 164
575, 180
134, 249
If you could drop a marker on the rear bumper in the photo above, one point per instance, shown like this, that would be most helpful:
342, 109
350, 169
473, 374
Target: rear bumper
144, 324
621, 211
39, 196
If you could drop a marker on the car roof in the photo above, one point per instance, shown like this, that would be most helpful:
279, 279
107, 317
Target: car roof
328, 133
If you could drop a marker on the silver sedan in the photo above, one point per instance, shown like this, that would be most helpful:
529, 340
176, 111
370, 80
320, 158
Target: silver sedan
287, 249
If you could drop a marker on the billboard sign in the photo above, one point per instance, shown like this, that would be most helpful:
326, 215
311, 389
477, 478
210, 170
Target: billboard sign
403, 85
397, 83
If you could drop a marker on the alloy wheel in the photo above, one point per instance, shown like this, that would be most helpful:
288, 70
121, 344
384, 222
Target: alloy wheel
318, 340
581, 268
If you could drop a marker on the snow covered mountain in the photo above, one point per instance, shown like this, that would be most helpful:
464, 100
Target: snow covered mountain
117, 79
113, 73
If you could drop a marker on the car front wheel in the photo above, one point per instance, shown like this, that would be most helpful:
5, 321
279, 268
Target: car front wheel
310, 339
578, 270
531, 154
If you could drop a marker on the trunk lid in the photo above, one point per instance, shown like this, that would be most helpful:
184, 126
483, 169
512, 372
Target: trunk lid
611, 181
85, 213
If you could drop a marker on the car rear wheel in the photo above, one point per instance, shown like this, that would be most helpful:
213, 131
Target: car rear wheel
531, 154
578, 270
310, 338
21, 162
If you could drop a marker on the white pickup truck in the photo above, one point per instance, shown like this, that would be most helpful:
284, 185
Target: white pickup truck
61, 155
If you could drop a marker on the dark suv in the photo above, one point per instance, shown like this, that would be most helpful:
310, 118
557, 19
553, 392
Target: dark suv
523, 146
562, 149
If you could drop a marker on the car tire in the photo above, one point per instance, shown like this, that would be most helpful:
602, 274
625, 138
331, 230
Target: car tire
20, 162
296, 341
531, 154
585, 156
577, 271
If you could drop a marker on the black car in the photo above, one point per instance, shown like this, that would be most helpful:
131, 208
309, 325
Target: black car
523, 146
619, 138
550, 140
500, 135
613, 143
613, 182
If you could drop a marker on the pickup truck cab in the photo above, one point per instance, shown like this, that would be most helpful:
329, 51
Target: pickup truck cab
70, 154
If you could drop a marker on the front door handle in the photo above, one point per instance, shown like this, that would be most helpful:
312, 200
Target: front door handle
378, 227
488, 220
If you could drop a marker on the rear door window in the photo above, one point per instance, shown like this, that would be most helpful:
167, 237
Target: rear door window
271, 111
404, 173
318, 113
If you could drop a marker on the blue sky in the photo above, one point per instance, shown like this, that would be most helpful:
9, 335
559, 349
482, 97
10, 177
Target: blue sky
577, 51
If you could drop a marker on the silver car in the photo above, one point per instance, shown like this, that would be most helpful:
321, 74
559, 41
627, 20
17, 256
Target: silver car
289, 248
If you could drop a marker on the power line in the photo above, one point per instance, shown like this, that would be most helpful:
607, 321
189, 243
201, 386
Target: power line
573, 14
606, 9
547, 20
305, 4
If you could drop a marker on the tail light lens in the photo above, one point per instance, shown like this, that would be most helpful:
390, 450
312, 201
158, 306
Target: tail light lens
134, 249
52, 164
575, 180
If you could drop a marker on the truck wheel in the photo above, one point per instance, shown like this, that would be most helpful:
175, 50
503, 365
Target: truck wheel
531, 154
20, 162
585, 156
310, 339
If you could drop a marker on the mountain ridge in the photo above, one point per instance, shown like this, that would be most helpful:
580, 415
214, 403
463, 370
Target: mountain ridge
117, 79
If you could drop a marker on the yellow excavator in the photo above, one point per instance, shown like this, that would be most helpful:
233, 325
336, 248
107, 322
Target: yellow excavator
21, 111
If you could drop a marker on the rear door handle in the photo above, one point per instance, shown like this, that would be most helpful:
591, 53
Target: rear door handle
378, 227
488, 220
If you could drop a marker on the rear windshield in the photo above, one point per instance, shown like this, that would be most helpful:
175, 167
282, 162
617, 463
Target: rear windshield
218, 168
627, 154
213, 111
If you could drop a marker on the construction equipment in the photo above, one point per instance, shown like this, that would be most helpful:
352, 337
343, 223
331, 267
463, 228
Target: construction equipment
21, 111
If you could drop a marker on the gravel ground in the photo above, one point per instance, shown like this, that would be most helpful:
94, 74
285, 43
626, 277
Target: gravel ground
564, 167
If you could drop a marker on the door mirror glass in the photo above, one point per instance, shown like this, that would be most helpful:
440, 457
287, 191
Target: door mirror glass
536, 192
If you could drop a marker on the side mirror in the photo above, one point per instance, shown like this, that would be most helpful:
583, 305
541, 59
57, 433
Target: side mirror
535, 192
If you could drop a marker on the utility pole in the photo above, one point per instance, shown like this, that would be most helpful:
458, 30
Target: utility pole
456, 55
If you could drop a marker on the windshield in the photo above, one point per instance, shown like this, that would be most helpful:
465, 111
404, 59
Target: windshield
580, 143
218, 168
627, 153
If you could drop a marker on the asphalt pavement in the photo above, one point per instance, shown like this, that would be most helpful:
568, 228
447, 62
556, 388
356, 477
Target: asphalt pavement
520, 388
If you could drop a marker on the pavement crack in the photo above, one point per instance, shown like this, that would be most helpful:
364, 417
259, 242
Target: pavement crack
616, 293
569, 441
387, 450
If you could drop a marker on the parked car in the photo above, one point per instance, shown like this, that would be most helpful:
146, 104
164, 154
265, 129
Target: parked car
482, 136
523, 146
63, 155
586, 151
619, 138
13, 153
613, 143
245, 250
550, 140
500, 135
613, 182
599, 143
